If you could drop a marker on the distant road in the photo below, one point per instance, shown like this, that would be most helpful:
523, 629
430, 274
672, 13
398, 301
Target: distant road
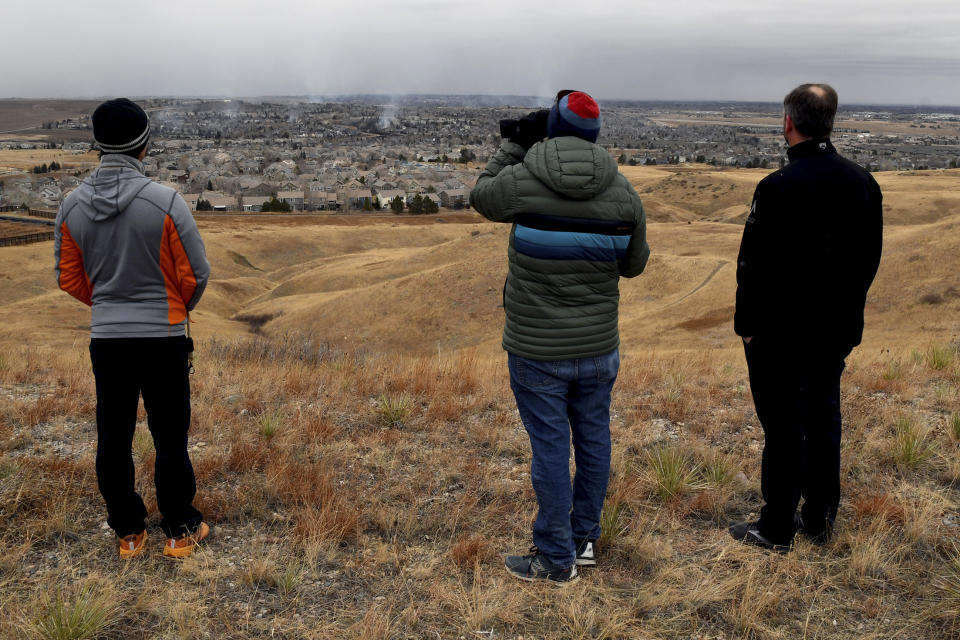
349, 219
722, 123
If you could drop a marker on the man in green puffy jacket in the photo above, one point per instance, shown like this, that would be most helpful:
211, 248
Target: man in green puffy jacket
578, 226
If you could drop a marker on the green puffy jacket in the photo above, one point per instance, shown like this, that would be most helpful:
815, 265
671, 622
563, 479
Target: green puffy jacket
578, 226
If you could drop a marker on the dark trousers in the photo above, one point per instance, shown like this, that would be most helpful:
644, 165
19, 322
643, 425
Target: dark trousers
124, 369
796, 391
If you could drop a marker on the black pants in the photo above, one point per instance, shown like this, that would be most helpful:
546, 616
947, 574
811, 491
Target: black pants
796, 391
124, 368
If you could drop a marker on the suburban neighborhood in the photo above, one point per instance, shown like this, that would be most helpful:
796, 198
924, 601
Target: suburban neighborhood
424, 153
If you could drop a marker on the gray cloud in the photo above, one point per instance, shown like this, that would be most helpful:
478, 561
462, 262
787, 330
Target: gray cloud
885, 51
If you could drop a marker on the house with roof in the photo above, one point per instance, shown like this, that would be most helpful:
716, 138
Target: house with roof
455, 198
254, 203
221, 201
292, 198
358, 198
387, 195
322, 200
50, 194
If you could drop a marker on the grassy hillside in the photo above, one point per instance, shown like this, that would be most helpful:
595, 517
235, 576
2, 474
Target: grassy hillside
359, 453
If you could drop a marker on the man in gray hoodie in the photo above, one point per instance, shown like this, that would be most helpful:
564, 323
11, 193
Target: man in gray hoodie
130, 249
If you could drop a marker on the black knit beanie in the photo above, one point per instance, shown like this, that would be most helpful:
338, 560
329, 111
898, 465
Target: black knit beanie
120, 126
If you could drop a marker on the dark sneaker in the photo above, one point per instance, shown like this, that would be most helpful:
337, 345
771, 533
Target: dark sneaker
534, 567
749, 533
586, 553
817, 537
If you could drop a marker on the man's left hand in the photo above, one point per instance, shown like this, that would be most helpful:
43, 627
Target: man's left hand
531, 128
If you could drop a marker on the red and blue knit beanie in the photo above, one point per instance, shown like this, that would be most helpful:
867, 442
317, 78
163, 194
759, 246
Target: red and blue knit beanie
575, 114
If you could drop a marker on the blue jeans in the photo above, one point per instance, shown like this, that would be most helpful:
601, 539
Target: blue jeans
555, 398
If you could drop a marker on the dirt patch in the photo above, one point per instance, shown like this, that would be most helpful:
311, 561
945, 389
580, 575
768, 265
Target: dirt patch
241, 260
708, 320
256, 320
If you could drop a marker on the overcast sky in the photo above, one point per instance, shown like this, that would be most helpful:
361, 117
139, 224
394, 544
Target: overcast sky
879, 51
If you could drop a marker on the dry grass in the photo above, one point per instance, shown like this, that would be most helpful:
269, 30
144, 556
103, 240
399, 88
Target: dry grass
356, 514
364, 467
18, 161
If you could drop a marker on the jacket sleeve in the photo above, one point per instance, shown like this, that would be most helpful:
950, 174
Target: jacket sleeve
638, 252
68, 262
189, 254
751, 268
494, 193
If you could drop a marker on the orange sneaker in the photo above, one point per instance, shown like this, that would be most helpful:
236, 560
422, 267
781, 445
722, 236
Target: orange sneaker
183, 546
132, 545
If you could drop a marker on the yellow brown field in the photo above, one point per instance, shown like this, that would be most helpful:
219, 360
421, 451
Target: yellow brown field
22, 161
360, 457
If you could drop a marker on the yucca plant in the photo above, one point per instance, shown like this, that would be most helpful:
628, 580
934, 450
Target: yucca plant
613, 521
893, 370
90, 615
911, 446
394, 410
672, 472
718, 470
948, 581
939, 356
268, 424
290, 578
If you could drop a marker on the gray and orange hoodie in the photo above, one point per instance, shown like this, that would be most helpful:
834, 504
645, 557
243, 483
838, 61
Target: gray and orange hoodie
130, 249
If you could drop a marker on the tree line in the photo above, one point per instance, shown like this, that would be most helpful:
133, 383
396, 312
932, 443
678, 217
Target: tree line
45, 168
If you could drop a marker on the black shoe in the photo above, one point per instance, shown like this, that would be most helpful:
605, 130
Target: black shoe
817, 537
749, 533
535, 566
586, 552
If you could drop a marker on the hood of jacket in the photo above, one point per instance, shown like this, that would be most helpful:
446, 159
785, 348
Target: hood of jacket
112, 187
571, 166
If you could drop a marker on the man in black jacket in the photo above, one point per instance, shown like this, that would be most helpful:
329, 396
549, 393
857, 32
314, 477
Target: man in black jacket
810, 250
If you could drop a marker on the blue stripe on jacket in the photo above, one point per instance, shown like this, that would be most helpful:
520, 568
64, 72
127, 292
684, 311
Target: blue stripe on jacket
569, 245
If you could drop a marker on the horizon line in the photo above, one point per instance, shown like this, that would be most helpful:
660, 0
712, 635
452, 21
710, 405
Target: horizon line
315, 97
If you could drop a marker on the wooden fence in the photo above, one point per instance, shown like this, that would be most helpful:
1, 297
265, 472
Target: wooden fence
27, 239
49, 214
17, 230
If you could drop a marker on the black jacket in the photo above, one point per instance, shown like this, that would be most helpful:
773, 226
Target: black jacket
810, 250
